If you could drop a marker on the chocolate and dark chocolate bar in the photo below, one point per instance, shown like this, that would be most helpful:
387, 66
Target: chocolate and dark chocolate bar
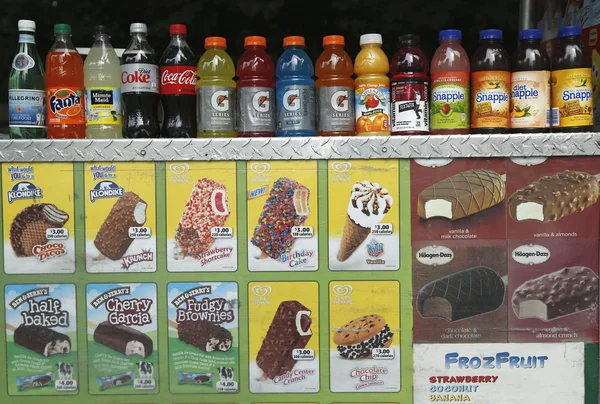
28, 228
462, 195
561, 293
555, 196
123, 339
289, 330
207, 337
43, 340
461, 295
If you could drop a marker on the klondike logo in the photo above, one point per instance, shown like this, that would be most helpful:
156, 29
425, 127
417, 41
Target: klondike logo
24, 190
106, 189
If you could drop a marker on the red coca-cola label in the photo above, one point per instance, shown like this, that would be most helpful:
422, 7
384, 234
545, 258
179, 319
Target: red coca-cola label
178, 80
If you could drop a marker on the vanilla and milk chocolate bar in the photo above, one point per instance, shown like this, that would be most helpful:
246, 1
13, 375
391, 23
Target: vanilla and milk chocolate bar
461, 195
561, 293
207, 337
289, 330
553, 197
463, 294
45, 341
123, 339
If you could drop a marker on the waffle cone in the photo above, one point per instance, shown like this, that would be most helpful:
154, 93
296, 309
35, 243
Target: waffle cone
34, 234
352, 237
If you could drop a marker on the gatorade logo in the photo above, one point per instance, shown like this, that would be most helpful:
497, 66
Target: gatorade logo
339, 101
292, 100
220, 101
261, 101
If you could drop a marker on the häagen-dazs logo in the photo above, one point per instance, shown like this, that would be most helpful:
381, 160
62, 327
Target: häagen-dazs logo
531, 254
261, 101
24, 190
342, 294
261, 294
340, 171
435, 255
220, 100
179, 171
106, 189
260, 171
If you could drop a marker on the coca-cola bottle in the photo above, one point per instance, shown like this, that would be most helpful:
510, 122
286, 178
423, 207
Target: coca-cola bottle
178, 86
139, 86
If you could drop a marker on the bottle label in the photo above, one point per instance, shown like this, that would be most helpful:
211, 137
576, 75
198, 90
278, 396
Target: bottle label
572, 98
215, 108
296, 108
175, 80
139, 78
27, 108
530, 99
65, 106
103, 106
410, 105
450, 100
26, 38
336, 109
372, 107
256, 111
22, 62
490, 99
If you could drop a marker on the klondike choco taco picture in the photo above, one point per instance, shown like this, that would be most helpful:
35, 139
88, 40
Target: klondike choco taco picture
28, 228
357, 339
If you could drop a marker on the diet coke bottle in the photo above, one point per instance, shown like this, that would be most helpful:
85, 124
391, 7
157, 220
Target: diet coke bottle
178, 86
139, 86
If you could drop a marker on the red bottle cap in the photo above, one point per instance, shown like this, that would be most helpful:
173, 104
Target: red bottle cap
178, 29
333, 40
255, 40
293, 40
215, 41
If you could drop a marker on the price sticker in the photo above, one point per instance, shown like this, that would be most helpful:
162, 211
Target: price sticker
144, 384
57, 233
227, 387
65, 385
382, 229
383, 353
303, 354
302, 232
139, 232
221, 232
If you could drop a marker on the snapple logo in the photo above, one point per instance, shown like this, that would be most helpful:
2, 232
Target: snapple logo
50, 250
261, 295
342, 294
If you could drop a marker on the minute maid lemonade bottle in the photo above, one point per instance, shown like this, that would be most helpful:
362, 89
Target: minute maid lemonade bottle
372, 88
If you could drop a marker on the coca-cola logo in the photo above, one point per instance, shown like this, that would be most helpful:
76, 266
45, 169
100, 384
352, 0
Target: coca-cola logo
186, 77
141, 75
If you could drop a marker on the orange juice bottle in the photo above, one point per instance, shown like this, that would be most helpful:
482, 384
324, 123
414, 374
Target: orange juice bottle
372, 87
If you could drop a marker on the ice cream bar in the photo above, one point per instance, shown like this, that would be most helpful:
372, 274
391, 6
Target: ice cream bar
29, 382
462, 195
195, 378
207, 337
28, 228
461, 295
45, 341
555, 196
121, 379
113, 238
123, 339
561, 293
289, 330
286, 207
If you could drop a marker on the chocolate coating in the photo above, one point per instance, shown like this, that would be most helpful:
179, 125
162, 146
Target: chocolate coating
207, 337
42, 340
117, 337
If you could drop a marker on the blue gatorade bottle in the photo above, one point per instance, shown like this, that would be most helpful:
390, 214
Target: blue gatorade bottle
296, 110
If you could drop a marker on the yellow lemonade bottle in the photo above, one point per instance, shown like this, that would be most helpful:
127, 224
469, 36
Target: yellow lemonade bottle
372, 88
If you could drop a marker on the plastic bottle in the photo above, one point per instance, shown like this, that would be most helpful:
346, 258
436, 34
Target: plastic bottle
530, 85
490, 85
572, 104
140, 86
178, 86
65, 100
296, 110
103, 112
255, 90
410, 88
216, 90
335, 89
450, 76
26, 88
372, 87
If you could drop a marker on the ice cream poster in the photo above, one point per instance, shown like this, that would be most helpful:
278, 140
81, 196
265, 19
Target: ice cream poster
41, 339
364, 336
364, 226
201, 216
283, 322
122, 338
203, 337
282, 216
38, 217
120, 217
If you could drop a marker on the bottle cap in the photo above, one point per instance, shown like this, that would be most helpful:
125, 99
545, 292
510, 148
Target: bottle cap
255, 41
530, 34
62, 29
293, 40
215, 41
371, 38
450, 34
178, 29
570, 30
490, 34
409, 39
101, 29
138, 27
26, 25
333, 40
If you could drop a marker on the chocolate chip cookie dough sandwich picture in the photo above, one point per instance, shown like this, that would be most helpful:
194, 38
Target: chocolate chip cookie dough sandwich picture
358, 338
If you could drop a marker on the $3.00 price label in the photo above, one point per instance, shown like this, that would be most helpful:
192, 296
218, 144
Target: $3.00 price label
382, 229
57, 233
303, 354
302, 232
139, 232
383, 353
221, 232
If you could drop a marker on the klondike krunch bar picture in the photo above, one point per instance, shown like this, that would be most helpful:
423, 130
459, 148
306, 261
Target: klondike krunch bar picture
203, 337
38, 218
201, 216
282, 216
120, 217
41, 339
122, 338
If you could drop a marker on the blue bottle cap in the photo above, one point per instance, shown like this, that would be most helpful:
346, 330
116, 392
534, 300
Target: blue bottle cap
450, 34
530, 34
570, 30
490, 34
